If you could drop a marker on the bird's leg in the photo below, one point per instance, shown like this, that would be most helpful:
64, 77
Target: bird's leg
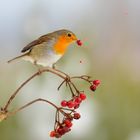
39, 69
54, 66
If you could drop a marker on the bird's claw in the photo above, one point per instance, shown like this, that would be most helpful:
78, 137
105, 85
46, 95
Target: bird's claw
54, 66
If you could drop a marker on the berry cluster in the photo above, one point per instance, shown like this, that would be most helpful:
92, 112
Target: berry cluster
65, 126
94, 85
68, 108
74, 102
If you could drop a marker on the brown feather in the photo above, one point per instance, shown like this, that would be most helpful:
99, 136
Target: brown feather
21, 56
40, 40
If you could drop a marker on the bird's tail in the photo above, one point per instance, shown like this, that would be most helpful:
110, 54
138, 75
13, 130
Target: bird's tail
18, 57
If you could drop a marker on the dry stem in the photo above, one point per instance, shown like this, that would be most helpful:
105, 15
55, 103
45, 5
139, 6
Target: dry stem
56, 72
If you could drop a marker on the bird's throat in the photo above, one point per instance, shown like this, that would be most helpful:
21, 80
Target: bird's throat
61, 46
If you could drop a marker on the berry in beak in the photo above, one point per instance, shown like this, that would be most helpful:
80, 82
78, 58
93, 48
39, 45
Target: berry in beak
79, 42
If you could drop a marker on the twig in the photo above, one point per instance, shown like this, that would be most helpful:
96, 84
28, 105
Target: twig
59, 109
62, 73
85, 78
74, 87
61, 84
29, 79
71, 89
30, 103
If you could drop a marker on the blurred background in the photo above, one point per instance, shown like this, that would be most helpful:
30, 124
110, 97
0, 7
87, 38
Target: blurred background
111, 52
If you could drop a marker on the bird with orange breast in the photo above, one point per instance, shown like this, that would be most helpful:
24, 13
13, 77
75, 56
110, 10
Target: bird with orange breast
47, 49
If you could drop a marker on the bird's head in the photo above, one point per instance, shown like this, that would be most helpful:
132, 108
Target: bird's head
65, 38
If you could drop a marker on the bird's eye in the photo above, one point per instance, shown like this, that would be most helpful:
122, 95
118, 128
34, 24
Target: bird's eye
69, 35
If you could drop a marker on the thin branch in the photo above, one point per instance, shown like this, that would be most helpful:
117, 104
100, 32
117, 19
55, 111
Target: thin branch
30, 103
85, 78
62, 73
55, 124
61, 84
15, 93
71, 89
74, 87
29, 79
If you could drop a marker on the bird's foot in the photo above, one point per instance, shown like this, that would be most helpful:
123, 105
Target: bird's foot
54, 66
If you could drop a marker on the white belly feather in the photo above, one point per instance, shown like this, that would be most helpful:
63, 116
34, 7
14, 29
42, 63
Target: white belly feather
44, 61
48, 60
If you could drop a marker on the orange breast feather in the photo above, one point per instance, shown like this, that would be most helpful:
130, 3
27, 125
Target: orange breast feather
61, 45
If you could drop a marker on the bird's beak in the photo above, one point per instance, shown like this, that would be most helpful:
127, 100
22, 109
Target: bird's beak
74, 38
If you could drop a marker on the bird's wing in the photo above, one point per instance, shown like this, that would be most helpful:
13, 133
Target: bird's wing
38, 41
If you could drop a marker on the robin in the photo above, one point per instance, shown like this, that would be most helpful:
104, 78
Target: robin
47, 49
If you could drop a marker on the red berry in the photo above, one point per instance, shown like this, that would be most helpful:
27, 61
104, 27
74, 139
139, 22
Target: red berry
70, 118
66, 129
61, 131
52, 134
76, 116
64, 103
96, 82
82, 96
93, 87
57, 135
79, 43
76, 106
78, 100
70, 104
68, 123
